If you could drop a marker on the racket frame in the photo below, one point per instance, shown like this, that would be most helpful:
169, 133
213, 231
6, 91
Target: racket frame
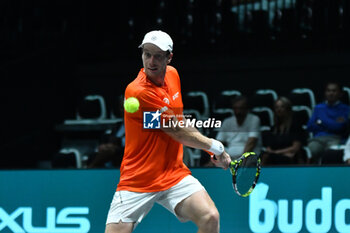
234, 166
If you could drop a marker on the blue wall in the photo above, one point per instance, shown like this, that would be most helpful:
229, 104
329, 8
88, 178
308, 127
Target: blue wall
305, 199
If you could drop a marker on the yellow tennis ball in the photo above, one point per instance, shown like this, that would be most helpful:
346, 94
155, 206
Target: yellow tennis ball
131, 105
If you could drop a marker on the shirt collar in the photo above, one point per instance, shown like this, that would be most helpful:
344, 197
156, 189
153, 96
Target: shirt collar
336, 103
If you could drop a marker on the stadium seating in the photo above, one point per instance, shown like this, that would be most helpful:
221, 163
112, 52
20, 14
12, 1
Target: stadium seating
80, 136
92, 107
346, 95
116, 107
197, 102
67, 158
302, 97
302, 113
193, 156
92, 110
264, 98
307, 152
222, 106
223, 100
192, 114
266, 117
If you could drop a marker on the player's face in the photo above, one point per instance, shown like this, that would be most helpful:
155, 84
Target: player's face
155, 61
332, 93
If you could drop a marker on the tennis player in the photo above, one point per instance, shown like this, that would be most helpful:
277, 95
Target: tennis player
152, 170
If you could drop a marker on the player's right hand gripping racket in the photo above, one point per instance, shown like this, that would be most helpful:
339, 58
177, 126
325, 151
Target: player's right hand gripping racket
245, 173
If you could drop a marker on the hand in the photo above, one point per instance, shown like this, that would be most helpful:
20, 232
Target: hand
222, 160
318, 122
269, 150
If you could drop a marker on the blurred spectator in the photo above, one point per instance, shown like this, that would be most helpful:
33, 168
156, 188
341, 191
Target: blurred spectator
339, 155
241, 132
110, 151
285, 139
346, 157
329, 122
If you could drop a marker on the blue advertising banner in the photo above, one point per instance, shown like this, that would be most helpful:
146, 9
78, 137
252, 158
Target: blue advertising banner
299, 199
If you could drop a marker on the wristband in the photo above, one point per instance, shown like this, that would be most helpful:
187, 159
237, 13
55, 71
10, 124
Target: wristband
216, 147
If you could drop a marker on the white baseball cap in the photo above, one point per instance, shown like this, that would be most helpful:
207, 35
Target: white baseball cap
160, 39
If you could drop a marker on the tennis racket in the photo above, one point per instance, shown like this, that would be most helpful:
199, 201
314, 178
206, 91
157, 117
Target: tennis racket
245, 173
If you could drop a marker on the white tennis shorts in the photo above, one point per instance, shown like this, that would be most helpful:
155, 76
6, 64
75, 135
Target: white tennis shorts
133, 207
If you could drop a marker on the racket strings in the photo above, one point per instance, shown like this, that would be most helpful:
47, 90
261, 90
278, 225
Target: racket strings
246, 174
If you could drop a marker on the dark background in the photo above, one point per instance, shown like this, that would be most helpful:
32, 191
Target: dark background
55, 52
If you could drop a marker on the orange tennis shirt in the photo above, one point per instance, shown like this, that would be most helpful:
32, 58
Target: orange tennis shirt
152, 161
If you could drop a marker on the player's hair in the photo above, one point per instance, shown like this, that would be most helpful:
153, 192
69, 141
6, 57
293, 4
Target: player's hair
167, 53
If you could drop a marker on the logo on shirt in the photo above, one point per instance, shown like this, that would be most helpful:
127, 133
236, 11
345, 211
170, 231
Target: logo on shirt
176, 95
166, 100
151, 120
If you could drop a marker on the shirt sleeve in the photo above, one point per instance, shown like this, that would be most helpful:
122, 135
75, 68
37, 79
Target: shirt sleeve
151, 102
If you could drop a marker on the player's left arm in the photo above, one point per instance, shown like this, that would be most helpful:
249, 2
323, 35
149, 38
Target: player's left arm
188, 136
191, 137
